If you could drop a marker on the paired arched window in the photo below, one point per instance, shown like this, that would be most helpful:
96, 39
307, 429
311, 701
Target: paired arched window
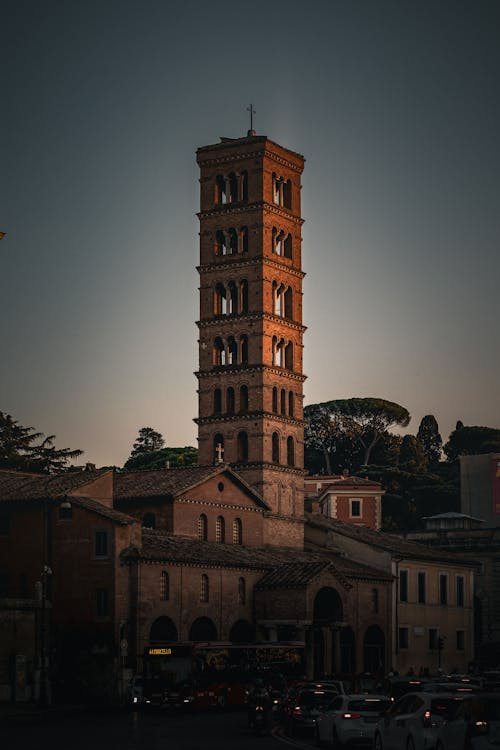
204, 588
231, 299
220, 530
282, 300
282, 243
282, 191
290, 451
241, 591
234, 352
219, 353
202, 527
164, 586
231, 188
242, 446
231, 241
237, 531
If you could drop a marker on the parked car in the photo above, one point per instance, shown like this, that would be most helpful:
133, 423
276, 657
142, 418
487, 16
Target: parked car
302, 712
350, 719
412, 722
474, 726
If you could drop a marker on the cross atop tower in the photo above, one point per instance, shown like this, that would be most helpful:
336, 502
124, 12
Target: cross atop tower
252, 113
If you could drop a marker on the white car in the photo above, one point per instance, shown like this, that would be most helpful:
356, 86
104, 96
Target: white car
412, 722
475, 725
350, 719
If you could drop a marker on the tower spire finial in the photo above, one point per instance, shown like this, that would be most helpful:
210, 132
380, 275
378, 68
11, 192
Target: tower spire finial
252, 113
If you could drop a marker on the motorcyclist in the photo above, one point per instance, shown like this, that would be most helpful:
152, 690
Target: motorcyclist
258, 696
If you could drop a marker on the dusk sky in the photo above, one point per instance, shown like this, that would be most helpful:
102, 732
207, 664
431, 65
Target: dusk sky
395, 106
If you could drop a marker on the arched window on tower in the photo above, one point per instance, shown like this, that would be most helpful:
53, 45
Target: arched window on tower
275, 448
244, 186
243, 240
233, 241
287, 246
220, 189
283, 401
202, 528
288, 307
243, 307
278, 237
289, 356
232, 298
218, 448
280, 353
220, 306
290, 451
244, 349
237, 531
164, 586
232, 348
275, 400
242, 446
219, 353
230, 400
217, 401
220, 530
287, 194
220, 243
243, 399
233, 188
290, 404
204, 588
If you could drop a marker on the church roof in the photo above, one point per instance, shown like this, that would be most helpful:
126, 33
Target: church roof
285, 567
16, 485
102, 510
172, 482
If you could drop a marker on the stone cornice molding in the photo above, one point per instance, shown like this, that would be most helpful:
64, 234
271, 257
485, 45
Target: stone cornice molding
239, 207
236, 369
250, 317
232, 262
248, 416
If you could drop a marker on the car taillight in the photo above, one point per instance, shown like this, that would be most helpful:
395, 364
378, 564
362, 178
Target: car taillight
297, 711
481, 727
351, 716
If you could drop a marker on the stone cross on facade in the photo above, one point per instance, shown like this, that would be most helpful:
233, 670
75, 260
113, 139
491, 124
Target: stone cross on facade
219, 450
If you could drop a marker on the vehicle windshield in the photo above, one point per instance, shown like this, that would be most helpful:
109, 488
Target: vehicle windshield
369, 705
315, 698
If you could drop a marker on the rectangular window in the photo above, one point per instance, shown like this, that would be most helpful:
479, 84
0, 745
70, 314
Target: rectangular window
421, 587
355, 508
403, 638
460, 640
403, 585
460, 591
101, 602
433, 639
443, 589
100, 544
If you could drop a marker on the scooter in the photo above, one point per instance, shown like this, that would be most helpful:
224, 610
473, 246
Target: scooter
258, 718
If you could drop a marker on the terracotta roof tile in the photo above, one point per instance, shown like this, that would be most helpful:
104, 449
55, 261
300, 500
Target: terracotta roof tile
16, 485
102, 510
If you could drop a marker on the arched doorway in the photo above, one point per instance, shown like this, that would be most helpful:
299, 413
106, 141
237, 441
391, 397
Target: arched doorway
162, 630
327, 612
203, 629
374, 650
242, 632
347, 651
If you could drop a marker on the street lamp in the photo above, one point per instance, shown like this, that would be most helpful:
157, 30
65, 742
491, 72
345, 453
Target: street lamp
44, 695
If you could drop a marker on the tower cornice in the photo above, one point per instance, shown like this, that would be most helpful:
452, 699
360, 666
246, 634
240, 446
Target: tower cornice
250, 317
230, 370
237, 262
225, 209
237, 417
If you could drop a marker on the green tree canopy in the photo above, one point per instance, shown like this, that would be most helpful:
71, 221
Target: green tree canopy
430, 439
20, 451
465, 441
147, 441
357, 422
172, 457
411, 455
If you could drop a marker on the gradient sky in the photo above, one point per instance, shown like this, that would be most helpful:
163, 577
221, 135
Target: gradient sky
395, 106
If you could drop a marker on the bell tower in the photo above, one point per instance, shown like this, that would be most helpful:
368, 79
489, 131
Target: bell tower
250, 380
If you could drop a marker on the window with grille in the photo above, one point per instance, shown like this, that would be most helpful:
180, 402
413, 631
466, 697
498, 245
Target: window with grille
237, 531
202, 527
164, 586
204, 589
220, 530
460, 591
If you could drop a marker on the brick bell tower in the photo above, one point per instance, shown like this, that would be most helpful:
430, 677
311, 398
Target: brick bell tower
250, 380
